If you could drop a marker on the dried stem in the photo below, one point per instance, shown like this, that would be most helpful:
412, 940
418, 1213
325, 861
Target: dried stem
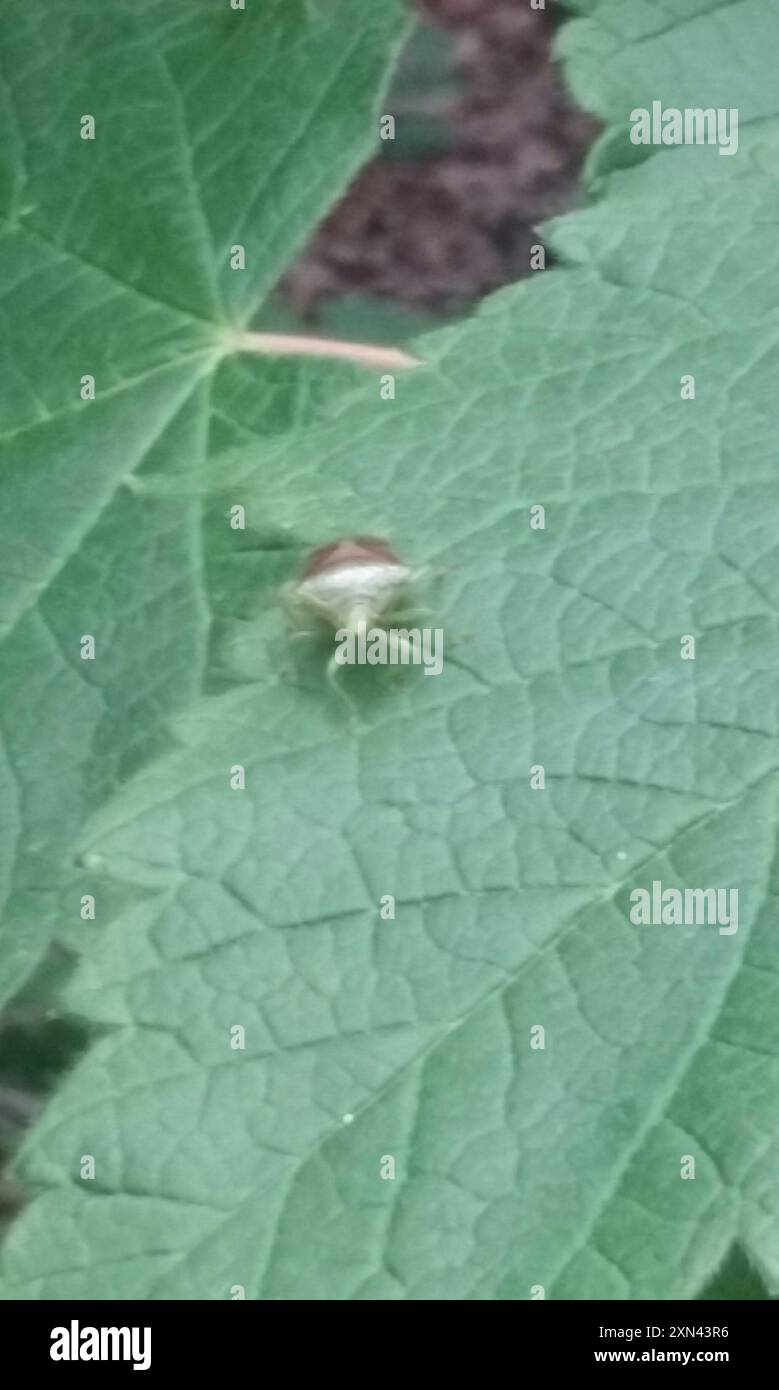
298, 345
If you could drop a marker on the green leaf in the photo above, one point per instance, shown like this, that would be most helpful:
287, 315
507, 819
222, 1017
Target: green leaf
410, 1038
212, 126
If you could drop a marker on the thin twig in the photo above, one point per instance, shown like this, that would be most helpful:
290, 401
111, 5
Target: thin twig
298, 345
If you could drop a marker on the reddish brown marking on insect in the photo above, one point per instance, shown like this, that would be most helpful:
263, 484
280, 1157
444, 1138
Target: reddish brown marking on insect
348, 551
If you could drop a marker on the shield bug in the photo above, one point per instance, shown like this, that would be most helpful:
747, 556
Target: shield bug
357, 582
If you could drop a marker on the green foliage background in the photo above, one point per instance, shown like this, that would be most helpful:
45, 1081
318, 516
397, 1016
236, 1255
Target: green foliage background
515, 1168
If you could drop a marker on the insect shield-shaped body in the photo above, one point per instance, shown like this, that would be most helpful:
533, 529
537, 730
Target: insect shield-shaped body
352, 585
352, 581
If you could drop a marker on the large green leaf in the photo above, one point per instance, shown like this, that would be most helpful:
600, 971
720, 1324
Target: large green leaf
213, 127
410, 1038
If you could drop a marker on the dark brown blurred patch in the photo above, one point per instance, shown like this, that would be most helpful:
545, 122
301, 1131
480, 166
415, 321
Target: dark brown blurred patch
438, 231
